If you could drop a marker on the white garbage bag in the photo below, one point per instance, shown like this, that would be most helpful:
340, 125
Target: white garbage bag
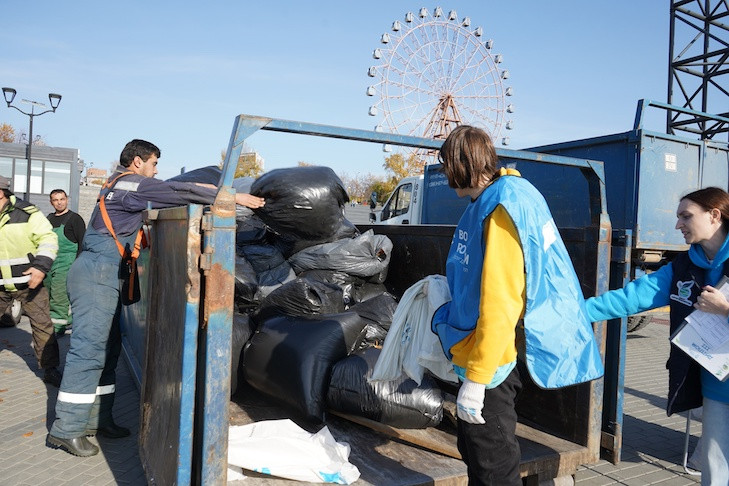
410, 346
283, 449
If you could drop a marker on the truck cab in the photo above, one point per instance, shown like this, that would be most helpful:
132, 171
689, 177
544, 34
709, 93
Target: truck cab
423, 199
403, 206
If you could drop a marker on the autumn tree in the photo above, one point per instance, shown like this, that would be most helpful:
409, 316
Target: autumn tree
250, 163
383, 188
359, 187
7, 133
400, 165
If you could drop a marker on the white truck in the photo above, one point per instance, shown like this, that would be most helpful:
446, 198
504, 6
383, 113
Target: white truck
403, 206
424, 199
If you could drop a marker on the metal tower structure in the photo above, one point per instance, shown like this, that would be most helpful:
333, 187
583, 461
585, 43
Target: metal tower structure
698, 77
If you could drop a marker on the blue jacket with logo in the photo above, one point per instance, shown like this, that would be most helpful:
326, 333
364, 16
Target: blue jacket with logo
662, 288
559, 340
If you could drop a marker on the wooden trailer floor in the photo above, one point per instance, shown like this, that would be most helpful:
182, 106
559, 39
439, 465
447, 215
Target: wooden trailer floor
388, 455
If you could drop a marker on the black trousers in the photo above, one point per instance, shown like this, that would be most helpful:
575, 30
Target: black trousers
491, 451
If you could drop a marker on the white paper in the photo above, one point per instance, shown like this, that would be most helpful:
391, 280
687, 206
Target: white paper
705, 337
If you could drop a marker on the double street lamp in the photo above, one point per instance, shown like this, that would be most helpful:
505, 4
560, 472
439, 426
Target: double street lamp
55, 100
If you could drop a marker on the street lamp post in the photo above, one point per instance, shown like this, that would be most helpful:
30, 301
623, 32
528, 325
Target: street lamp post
55, 100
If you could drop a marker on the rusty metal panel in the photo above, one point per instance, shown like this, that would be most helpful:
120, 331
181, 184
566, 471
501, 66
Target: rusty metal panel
212, 414
165, 325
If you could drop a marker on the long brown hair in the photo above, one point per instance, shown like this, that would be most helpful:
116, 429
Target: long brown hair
712, 198
468, 156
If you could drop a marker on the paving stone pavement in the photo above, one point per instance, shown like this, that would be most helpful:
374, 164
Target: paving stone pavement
27, 411
652, 442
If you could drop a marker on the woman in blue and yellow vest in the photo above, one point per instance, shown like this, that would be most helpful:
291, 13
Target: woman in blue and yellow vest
685, 284
507, 267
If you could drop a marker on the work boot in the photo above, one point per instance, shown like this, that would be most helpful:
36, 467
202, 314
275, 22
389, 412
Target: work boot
112, 431
78, 446
52, 376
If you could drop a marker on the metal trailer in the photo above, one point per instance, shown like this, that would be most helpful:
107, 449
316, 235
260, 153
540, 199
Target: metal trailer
178, 340
646, 174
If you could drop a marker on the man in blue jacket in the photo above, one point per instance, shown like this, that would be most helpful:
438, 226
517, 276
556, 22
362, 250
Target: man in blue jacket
95, 281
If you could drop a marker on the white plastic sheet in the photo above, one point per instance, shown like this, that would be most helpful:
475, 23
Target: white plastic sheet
410, 346
283, 449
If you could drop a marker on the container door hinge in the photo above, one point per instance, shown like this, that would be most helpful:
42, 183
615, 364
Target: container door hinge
206, 226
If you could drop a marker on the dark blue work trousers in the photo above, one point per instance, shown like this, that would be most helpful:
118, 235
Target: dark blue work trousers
86, 396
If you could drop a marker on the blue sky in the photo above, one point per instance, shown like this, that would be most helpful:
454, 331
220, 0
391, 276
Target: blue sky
178, 72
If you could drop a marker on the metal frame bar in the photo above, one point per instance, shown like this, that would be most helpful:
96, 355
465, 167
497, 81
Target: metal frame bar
246, 125
698, 115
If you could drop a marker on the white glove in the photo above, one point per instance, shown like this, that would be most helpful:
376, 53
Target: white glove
470, 402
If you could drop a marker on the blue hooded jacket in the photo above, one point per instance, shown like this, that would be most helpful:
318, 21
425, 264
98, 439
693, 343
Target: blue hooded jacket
654, 290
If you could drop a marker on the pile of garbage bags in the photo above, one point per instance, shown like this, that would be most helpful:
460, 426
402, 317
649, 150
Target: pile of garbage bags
312, 309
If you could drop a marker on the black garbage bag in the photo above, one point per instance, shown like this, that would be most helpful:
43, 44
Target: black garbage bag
262, 257
246, 294
301, 297
364, 256
307, 202
289, 244
272, 269
343, 280
250, 230
242, 332
399, 403
346, 230
378, 312
12, 314
270, 280
366, 291
290, 358
206, 175
242, 213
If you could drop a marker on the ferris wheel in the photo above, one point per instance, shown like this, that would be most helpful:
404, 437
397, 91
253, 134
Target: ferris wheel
433, 73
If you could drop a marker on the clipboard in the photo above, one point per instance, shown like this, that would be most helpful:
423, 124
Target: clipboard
705, 338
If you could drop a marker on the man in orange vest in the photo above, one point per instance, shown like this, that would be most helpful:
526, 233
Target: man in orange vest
96, 291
